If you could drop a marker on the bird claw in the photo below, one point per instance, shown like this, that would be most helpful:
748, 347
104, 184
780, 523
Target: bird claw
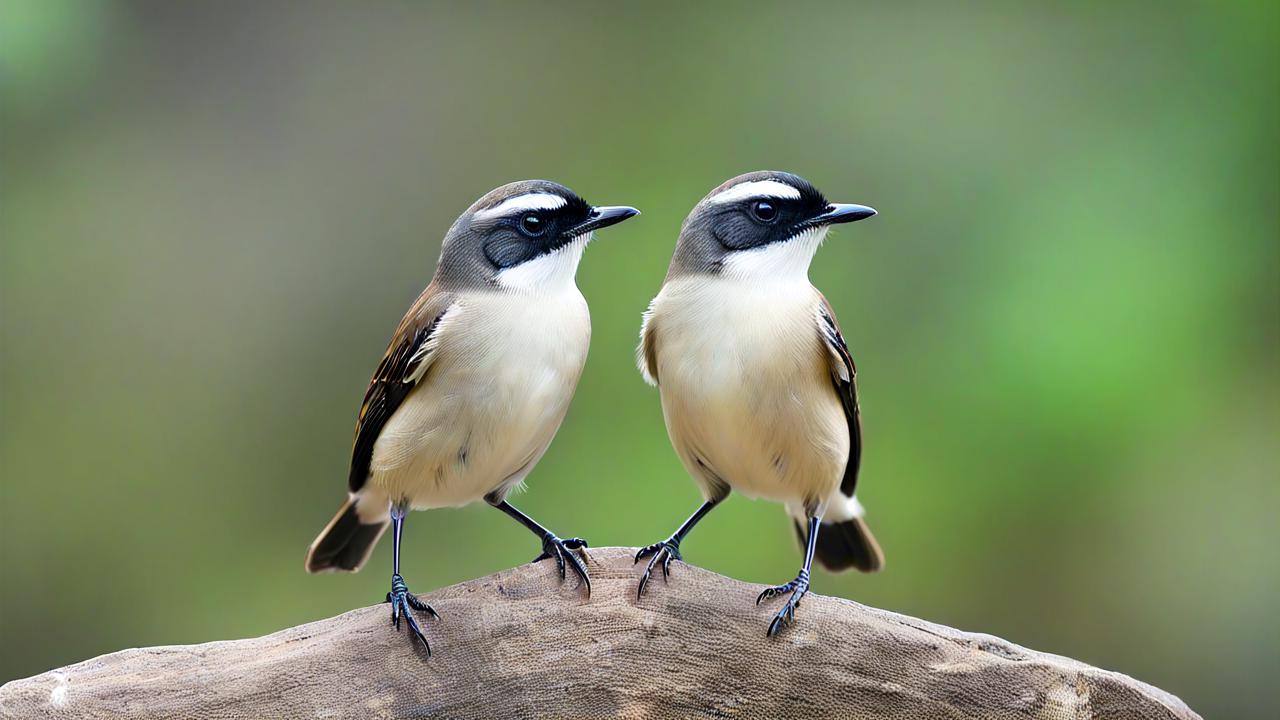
798, 589
563, 552
663, 552
403, 603
776, 591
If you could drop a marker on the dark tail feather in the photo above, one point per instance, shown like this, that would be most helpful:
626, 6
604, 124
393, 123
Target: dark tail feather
846, 544
345, 543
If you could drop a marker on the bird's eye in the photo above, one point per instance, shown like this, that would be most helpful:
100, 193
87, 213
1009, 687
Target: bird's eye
532, 225
764, 211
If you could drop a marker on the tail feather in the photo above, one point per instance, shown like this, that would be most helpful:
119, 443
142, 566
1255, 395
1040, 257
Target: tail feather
845, 544
345, 543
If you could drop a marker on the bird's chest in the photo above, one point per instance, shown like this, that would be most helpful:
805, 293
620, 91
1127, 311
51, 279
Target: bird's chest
522, 356
490, 402
745, 389
728, 340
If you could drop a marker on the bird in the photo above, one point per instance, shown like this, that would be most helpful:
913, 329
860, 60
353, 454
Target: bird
759, 391
475, 381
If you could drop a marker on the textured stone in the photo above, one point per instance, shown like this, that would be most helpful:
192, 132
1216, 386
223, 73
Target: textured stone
522, 644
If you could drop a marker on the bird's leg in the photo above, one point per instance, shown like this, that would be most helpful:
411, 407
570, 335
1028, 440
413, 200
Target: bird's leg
552, 546
798, 587
667, 550
402, 601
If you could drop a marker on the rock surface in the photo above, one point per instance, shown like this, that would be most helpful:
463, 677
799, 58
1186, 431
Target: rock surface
522, 644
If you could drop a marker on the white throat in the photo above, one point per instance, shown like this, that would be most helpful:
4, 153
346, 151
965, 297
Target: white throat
785, 261
551, 273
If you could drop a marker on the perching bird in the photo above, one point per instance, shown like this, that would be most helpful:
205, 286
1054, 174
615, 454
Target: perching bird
758, 389
475, 381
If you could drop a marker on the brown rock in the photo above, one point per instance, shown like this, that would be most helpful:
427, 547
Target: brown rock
522, 644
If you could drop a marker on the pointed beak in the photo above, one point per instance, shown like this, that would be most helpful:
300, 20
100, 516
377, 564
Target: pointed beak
838, 213
603, 217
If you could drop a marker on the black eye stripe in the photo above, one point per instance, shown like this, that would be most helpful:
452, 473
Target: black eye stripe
527, 230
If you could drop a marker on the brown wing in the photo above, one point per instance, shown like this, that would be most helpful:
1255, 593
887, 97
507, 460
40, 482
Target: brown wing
397, 375
844, 377
647, 353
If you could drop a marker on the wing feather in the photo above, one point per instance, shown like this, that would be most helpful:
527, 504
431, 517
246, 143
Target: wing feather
647, 353
403, 368
844, 378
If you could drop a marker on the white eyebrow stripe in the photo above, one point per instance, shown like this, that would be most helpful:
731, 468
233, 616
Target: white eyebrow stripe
528, 201
755, 189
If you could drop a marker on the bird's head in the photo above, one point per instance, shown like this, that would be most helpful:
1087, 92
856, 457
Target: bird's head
526, 235
759, 226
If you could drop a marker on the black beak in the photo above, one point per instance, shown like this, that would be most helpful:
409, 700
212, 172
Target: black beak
838, 213
602, 217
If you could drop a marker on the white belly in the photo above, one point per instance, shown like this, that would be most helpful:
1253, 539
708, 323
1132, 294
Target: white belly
746, 388
493, 398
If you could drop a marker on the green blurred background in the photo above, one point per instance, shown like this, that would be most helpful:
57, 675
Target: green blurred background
1066, 316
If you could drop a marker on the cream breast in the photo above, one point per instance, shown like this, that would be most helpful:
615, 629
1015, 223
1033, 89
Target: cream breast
492, 401
746, 388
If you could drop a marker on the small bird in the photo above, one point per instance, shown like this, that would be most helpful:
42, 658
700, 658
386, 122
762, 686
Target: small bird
475, 381
758, 389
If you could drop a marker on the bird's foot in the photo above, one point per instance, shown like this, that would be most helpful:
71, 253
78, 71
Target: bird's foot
798, 589
403, 603
663, 552
563, 552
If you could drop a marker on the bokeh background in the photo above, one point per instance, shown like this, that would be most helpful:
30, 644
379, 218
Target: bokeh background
1066, 317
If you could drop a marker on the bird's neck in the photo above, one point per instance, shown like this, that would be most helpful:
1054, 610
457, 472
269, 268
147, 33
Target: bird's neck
783, 262
551, 274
